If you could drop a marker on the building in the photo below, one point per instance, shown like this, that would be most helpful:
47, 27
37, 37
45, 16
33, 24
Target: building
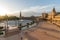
53, 16
44, 15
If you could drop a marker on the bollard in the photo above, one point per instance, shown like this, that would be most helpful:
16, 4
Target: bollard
21, 38
20, 25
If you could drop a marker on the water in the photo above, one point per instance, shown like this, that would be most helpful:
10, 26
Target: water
15, 23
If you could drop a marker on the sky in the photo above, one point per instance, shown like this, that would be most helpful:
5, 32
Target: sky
28, 7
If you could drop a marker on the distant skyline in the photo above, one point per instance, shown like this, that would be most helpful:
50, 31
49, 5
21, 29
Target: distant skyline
28, 7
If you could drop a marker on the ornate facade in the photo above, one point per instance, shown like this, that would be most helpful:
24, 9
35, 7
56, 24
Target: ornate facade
52, 16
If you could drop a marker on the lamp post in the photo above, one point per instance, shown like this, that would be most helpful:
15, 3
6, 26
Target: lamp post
23, 37
20, 28
6, 25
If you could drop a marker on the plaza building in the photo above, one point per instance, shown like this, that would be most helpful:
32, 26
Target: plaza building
53, 16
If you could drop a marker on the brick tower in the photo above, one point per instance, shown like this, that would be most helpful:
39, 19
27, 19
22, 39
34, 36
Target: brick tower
53, 13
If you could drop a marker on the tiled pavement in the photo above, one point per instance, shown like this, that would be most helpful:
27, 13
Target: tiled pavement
44, 31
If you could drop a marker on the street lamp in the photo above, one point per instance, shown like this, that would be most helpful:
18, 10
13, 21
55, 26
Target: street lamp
6, 23
20, 28
23, 37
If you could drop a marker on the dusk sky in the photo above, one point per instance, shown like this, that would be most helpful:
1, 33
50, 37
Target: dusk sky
28, 7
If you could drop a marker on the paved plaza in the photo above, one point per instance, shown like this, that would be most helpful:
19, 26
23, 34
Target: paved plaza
43, 31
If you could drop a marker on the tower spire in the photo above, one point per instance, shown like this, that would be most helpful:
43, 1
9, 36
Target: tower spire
53, 12
54, 9
20, 15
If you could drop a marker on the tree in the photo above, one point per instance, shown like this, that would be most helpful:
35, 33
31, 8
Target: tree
13, 18
8, 17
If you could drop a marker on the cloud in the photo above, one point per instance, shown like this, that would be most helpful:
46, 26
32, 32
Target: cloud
35, 10
38, 8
